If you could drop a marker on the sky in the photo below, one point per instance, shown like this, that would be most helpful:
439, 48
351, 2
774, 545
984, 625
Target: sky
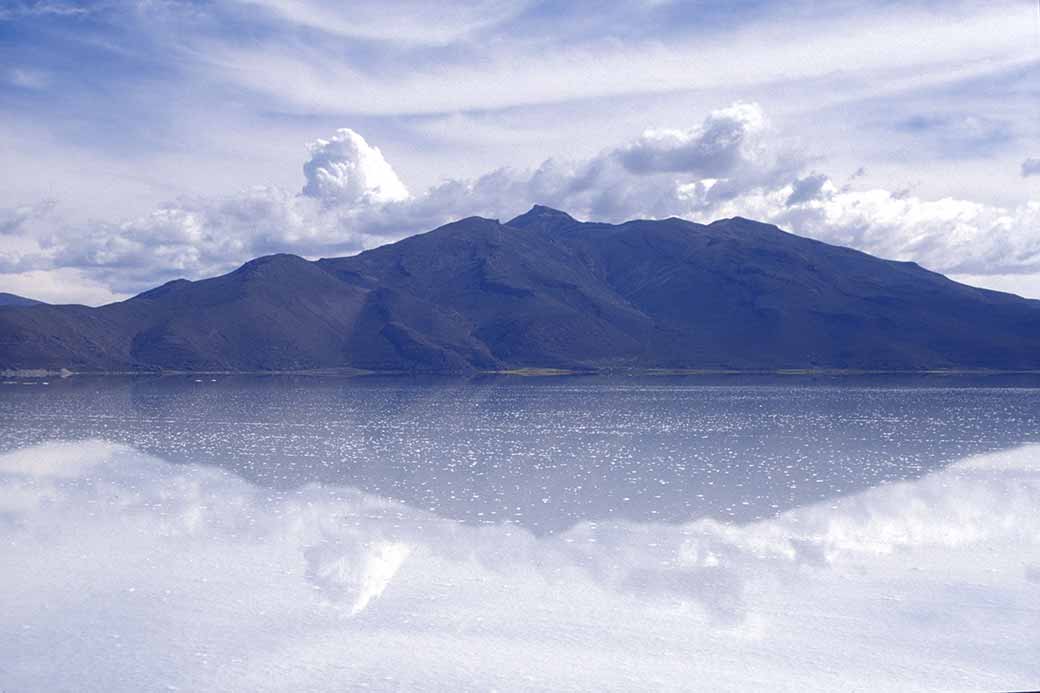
147, 140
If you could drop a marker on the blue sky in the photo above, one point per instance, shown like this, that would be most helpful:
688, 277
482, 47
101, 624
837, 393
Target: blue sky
146, 140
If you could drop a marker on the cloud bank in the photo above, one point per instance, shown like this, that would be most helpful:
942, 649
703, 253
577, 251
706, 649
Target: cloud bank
134, 573
733, 163
118, 109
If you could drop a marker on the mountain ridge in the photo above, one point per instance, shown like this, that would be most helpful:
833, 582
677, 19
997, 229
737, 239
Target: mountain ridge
7, 299
545, 290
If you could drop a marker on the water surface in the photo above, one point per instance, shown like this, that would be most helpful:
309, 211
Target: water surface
520, 534
546, 453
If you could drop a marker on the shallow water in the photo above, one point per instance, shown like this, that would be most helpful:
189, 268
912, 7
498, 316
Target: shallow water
287, 534
546, 453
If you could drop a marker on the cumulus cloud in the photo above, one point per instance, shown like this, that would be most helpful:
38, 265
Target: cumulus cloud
716, 149
12, 220
198, 237
346, 205
645, 177
346, 170
222, 585
61, 285
809, 188
730, 164
947, 235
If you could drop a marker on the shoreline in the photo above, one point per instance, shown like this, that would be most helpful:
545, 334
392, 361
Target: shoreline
63, 373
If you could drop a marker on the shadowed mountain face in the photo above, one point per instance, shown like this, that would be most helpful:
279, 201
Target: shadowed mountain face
15, 300
545, 290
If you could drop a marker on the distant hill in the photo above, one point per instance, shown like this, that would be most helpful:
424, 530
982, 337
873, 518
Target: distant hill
14, 300
545, 290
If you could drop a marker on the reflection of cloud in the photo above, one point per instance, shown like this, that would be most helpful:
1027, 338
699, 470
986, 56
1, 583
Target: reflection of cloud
355, 570
206, 582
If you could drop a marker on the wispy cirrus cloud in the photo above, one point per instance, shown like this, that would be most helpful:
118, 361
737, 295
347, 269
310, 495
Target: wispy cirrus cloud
408, 22
505, 70
39, 8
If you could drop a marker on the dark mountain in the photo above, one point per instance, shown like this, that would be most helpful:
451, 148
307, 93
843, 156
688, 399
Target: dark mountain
15, 300
545, 290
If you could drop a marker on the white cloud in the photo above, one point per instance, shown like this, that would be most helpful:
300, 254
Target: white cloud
812, 187
505, 70
410, 21
947, 235
60, 285
346, 170
716, 149
731, 164
199, 237
544, 79
221, 585
12, 220
1027, 285
37, 8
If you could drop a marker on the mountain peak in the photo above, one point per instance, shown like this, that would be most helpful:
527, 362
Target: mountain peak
270, 262
164, 289
543, 218
745, 223
549, 291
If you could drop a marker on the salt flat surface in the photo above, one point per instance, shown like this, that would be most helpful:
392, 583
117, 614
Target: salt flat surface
547, 453
126, 573
910, 567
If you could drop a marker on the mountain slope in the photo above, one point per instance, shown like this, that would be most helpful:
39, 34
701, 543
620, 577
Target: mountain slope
279, 312
15, 300
547, 290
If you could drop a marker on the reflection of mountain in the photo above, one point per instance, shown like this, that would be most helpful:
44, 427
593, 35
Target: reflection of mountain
546, 453
202, 581
546, 290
